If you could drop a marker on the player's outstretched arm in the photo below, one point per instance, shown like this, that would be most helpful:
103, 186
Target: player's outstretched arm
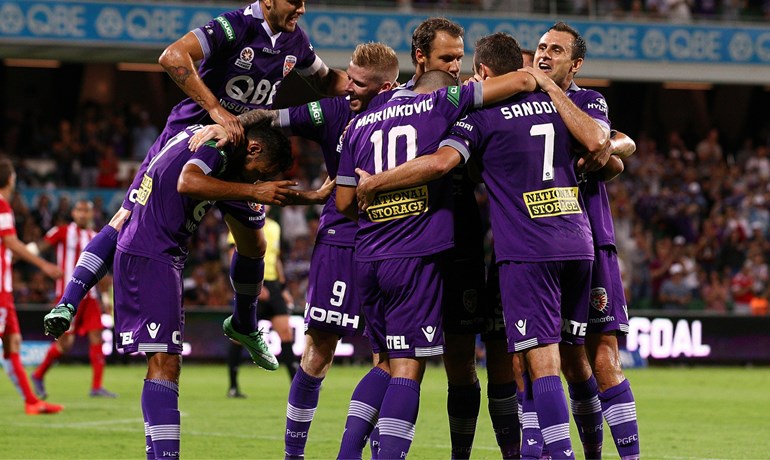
496, 89
178, 60
319, 196
415, 172
21, 251
193, 182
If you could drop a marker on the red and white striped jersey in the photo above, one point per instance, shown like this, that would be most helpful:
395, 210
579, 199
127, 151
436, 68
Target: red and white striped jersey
69, 241
7, 228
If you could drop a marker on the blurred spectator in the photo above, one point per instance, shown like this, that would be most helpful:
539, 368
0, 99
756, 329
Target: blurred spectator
742, 290
143, 135
660, 266
675, 294
42, 213
108, 169
715, 292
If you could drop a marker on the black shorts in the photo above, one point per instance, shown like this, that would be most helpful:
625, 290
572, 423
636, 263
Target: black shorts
464, 304
276, 306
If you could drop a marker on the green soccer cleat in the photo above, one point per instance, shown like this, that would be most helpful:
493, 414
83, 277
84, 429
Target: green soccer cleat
254, 343
58, 321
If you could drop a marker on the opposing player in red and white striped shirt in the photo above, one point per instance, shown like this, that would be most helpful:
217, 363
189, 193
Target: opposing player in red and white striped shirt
10, 245
69, 241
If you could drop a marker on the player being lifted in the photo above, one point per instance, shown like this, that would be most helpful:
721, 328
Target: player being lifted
244, 54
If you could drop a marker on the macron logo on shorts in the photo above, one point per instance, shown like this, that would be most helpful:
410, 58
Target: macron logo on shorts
153, 329
429, 332
521, 326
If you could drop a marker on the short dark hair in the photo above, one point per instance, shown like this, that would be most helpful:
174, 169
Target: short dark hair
578, 44
275, 145
425, 33
500, 52
435, 79
6, 170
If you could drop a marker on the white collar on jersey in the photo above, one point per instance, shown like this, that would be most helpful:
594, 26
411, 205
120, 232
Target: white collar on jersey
255, 10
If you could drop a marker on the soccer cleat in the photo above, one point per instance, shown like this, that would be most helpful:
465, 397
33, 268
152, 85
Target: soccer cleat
39, 387
102, 393
42, 407
58, 321
254, 343
235, 393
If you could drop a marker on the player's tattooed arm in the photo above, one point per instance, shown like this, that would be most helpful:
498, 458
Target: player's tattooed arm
218, 132
178, 59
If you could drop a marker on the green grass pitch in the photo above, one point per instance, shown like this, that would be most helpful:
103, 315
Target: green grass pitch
701, 412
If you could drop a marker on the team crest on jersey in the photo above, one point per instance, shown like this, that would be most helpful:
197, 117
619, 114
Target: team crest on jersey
244, 60
256, 207
288, 64
599, 299
470, 300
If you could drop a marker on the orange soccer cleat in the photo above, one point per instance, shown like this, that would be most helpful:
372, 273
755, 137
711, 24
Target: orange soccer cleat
42, 407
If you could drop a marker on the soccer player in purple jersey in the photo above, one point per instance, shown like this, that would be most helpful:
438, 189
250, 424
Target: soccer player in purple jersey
596, 381
244, 54
180, 187
400, 242
333, 308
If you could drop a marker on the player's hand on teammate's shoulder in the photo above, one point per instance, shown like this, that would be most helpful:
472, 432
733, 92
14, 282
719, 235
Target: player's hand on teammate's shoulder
473, 79
543, 81
231, 124
274, 192
206, 134
364, 190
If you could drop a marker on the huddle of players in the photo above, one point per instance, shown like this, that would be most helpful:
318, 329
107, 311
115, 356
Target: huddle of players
405, 322
397, 379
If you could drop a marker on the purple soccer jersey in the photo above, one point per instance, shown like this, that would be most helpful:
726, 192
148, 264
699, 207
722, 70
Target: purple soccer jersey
594, 192
416, 221
324, 121
608, 310
243, 65
163, 219
528, 168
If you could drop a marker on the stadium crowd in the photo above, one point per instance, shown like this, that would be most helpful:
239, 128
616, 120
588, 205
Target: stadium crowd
660, 10
691, 218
